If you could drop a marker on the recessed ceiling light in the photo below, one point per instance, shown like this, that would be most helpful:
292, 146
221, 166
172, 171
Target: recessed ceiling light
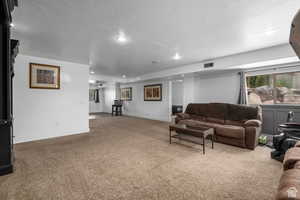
12, 25
124, 76
177, 56
121, 38
92, 81
92, 72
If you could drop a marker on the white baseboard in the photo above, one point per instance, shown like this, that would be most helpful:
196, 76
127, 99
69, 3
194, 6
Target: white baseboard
158, 118
30, 139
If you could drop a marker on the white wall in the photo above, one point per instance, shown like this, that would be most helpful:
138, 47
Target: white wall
43, 113
188, 90
205, 88
118, 91
109, 97
216, 87
177, 93
97, 107
157, 110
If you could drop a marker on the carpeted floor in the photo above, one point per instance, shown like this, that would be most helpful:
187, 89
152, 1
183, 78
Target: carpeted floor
130, 158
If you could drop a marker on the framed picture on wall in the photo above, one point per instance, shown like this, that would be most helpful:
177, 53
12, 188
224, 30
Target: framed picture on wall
126, 94
44, 76
153, 92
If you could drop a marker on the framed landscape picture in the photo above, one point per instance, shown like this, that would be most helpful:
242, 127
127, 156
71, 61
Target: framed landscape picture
44, 76
126, 94
153, 92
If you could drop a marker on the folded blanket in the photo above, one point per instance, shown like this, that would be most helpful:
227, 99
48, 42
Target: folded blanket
291, 157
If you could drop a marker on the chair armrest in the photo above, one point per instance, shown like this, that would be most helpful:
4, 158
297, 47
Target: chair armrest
252, 123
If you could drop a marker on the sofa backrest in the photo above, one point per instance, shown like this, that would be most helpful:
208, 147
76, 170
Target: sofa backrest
224, 111
241, 112
196, 109
216, 110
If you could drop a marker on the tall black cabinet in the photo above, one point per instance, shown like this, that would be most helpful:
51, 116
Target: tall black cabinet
8, 51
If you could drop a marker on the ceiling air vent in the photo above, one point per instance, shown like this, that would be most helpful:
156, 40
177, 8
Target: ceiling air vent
208, 65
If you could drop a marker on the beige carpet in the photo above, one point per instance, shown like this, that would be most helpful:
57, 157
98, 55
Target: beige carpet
130, 158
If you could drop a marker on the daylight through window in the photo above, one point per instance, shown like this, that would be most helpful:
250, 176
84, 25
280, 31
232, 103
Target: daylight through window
274, 88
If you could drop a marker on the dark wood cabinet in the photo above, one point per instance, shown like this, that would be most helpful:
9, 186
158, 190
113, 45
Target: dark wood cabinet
7, 56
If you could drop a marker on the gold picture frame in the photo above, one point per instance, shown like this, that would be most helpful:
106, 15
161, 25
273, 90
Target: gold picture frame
153, 92
43, 76
126, 94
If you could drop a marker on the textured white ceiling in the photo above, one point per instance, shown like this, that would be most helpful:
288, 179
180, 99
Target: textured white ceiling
84, 31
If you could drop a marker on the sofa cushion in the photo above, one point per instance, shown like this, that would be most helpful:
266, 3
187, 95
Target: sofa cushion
197, 117
215, 120
231, 131
241, 112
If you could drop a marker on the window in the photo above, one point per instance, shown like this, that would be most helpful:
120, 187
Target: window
274, 88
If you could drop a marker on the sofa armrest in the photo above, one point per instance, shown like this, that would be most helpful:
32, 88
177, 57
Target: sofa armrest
251, 136
253, 123
181, 116
292, 156
289, 181
297, 144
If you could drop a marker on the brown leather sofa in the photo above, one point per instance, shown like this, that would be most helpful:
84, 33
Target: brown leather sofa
233, 124
289, 185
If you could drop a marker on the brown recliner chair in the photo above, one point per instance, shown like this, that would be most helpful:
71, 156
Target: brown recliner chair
237, 125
